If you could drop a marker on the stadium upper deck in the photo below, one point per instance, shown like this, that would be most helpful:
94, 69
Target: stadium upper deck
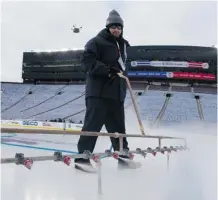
146, 63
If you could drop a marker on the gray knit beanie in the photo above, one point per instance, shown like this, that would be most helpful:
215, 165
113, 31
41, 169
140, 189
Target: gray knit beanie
114, 18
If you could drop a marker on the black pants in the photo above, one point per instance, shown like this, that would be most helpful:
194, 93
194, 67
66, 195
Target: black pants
101, 112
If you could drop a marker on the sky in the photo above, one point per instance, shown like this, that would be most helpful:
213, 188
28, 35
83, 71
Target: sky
27, 26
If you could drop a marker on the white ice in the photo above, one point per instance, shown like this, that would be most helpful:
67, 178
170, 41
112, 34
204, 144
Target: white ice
191, 175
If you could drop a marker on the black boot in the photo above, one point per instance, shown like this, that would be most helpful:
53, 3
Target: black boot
84, 165
82, 161
122, 163
126, 162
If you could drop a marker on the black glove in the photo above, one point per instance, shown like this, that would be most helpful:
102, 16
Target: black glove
113, 71
100, 69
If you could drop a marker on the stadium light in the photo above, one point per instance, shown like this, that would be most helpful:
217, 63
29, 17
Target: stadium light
48, 50
76, 49
64, 49
36, 50
55, 50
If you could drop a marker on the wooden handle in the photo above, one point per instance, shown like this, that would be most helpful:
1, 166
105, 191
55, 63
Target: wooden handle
133, 101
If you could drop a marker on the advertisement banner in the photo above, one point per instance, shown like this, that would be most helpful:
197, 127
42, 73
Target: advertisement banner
72, 126
11, 122
180, 64
30, 123
168, 64
147, 74
196, 76
51, 124
198, 65
43, 125
46, 124
181, 75
140, 63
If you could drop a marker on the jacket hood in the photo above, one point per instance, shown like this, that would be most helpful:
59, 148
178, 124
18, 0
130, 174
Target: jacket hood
107, 35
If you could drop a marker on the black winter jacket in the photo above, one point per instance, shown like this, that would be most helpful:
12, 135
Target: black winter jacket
100, 54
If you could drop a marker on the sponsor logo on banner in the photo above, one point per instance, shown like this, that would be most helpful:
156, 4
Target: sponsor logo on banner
146, 74
196, 76
198, 65
46, 124
168, 64
205, 66
10, 122
30, 123
169, 75
134, 64
140, 63
79, 126
180, 64
14, 122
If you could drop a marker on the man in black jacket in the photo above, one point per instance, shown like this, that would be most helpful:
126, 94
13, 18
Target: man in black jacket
105, 90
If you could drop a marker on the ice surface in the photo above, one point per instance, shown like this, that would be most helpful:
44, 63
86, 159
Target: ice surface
191, 176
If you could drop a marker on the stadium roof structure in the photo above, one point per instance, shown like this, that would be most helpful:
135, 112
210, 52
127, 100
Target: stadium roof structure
155, 52
173, 52
161, 47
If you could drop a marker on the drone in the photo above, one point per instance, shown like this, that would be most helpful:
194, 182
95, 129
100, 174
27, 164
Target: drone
76, 29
